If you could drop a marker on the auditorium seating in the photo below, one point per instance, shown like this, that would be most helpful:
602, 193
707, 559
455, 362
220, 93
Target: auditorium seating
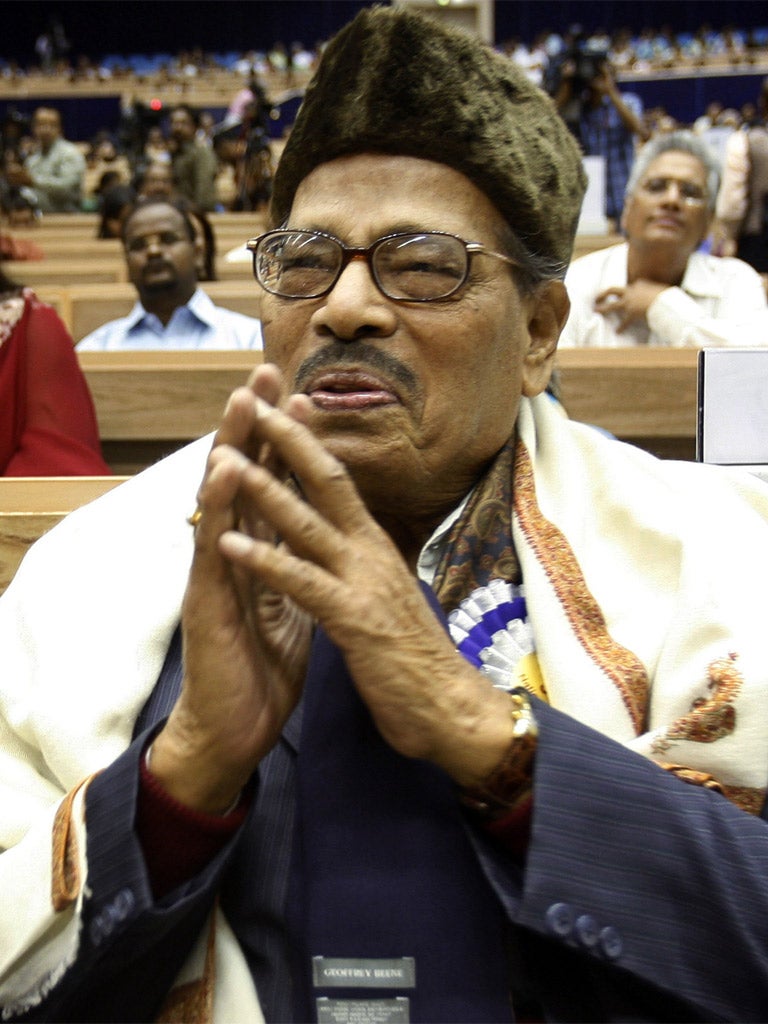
90, 305
86, 280
150, 403
646, 396
65, 271
59, 237
30, 506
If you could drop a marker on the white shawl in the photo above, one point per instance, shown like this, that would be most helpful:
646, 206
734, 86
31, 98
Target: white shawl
642, 580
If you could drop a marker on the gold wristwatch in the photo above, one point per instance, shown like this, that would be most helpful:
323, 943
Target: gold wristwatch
510, 781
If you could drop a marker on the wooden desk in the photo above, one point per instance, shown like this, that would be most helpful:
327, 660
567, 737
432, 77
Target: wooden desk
57, 297
30, 506
643, 395
150, 403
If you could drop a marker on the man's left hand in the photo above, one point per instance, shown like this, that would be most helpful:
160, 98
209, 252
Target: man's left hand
630, 303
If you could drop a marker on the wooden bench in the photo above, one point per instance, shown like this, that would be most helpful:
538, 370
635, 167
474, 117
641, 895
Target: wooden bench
63, 222
82, 244
65, 271
75, 263
105, 269
87, 223
584, 244
150, 403
89, 305
647, 396
72, 247
55, 296
80, 241
30, 506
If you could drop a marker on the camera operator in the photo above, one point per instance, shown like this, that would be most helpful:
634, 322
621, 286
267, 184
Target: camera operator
606, 122
242, 142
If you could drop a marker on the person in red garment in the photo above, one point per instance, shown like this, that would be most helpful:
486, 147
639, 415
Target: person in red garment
47, 420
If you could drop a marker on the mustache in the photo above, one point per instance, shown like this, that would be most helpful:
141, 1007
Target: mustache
155, 263
361, 355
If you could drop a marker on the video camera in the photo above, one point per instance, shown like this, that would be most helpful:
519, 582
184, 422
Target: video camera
586, 62
588, 65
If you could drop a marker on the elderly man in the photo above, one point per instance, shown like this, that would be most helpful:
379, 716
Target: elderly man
55, 170
308, 795
163, 254
657, 288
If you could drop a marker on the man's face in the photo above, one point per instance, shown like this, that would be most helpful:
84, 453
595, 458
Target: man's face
415, 398
669, 208
182, 126
158, 181
160, 255
46, 127
106, 151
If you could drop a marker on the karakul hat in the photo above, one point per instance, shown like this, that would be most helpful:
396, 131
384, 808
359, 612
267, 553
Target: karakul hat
394, 81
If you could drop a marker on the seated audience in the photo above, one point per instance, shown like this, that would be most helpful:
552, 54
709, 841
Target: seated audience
716, 137
54, 170
19, 202
47, 420
104, 166
114, 204
289, 758
155, 148
163, 255
19, 209
657, 288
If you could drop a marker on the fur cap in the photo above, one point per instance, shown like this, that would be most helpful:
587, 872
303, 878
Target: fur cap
394, 81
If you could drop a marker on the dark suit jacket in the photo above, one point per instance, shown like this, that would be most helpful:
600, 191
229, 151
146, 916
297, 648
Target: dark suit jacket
642, 898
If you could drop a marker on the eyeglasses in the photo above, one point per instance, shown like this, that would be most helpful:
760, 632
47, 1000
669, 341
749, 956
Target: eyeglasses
690, 193
419, 266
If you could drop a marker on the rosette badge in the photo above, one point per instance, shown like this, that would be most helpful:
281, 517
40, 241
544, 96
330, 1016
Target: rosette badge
491, 629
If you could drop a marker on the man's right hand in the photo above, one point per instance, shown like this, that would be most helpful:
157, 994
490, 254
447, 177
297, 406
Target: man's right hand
245, 646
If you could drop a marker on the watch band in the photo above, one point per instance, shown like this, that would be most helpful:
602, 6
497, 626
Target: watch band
510, 781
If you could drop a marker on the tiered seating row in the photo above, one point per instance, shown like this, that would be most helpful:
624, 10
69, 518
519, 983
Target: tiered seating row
85, 278
84, 307
29, 507
73, 254
149, 404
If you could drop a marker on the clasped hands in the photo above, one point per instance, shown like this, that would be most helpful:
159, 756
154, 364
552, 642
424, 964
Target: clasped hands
284, 540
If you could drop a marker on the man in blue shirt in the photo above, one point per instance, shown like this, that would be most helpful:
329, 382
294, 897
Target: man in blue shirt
172, 311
